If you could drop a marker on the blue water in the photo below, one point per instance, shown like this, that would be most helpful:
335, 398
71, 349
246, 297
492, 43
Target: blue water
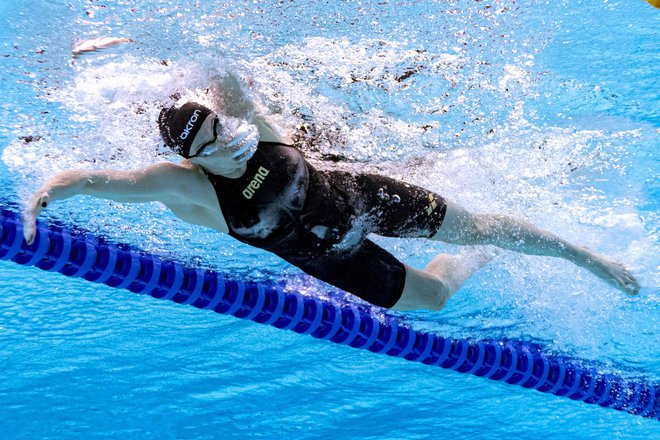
544, 110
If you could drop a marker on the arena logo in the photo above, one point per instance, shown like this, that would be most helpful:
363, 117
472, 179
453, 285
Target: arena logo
190, 125
432, 205
254, 185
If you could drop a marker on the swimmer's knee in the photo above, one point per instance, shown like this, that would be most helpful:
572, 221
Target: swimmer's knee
444, 291
431, 302
439, 297
422, 290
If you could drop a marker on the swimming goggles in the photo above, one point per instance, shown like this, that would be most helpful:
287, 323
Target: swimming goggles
211, 146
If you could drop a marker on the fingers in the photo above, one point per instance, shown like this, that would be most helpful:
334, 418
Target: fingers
628, 283
37, 204
632, 285
29, 227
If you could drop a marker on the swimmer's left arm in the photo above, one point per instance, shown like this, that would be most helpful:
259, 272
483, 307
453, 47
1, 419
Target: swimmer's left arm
160, 182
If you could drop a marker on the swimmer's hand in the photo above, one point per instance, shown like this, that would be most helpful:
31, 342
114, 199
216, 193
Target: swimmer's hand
38, 202
61, 186
98, 43
612, 272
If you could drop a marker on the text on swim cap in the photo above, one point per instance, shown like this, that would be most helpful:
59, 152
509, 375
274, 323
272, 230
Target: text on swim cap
190, 125
254, 185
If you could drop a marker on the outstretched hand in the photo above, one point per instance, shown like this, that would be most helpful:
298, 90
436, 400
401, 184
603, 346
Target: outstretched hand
610, 271
38, 202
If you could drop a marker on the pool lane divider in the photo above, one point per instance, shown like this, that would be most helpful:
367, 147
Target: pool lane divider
78, 255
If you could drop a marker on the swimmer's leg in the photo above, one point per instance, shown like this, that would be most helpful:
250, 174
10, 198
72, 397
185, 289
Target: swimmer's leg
465, 228
441, 279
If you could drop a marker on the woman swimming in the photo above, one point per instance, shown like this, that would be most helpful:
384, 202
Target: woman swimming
243, 178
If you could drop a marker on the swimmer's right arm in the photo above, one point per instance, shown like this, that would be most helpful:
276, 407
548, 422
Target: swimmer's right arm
238, 103
159, 182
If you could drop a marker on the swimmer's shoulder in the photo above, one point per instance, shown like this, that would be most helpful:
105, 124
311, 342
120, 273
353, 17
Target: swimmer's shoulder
191, 196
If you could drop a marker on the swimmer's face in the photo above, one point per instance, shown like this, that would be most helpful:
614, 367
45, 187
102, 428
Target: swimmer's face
207, 150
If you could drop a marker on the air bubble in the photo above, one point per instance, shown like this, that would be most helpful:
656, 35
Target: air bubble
383, 195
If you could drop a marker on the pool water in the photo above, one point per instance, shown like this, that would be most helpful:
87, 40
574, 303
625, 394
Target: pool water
543, 110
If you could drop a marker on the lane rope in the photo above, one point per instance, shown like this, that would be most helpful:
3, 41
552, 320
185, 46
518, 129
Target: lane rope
514, 362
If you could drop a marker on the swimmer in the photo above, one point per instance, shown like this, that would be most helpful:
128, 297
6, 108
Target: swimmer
242, 177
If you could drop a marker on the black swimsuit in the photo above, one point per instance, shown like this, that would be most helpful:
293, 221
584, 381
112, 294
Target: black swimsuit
318, 221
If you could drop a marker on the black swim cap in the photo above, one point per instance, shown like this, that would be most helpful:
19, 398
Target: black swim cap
178, 126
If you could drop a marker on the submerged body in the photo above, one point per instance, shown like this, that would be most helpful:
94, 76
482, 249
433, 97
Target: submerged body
243, 179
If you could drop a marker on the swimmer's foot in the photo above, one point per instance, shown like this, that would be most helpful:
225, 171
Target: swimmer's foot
454, 270
611, 272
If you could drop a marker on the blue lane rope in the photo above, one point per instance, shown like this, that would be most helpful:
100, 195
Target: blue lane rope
520, 363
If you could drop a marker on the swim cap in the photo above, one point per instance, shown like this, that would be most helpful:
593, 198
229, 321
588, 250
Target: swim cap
178, 126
